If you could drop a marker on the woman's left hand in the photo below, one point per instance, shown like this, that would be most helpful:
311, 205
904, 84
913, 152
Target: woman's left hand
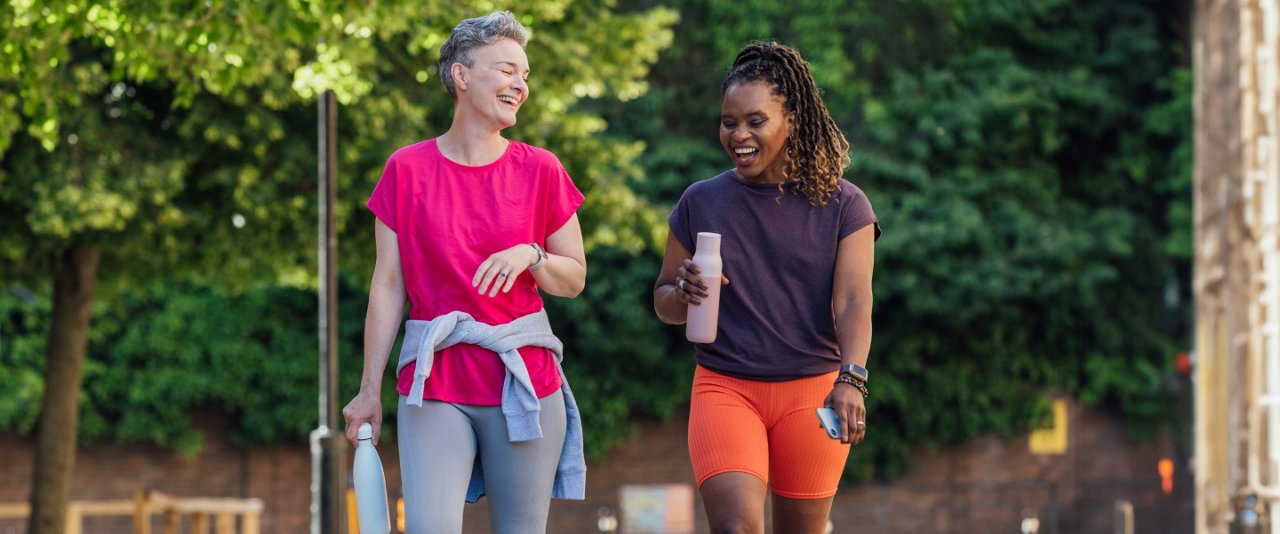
850, 407
500, 270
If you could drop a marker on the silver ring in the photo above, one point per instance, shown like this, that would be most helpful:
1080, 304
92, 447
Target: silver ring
861, 424
502, 274
681, 283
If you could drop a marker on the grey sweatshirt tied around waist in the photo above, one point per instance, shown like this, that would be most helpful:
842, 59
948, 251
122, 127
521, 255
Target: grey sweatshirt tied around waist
519, 400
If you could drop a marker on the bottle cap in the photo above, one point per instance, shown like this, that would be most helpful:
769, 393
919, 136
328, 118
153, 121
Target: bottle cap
365, 432
709, 242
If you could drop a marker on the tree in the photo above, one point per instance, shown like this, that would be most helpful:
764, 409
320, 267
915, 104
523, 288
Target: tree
148, 141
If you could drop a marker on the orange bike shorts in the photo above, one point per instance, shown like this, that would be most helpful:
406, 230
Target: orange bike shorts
767, 429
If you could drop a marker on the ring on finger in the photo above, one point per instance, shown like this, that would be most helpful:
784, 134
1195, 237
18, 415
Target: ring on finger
861, 424
680, 283
504, 275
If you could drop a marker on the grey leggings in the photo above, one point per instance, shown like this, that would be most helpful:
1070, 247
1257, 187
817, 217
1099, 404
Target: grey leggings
438, 446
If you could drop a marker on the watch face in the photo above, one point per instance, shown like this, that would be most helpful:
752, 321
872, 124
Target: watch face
856, 370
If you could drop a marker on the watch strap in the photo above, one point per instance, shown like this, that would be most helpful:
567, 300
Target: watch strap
855, 370
542, 257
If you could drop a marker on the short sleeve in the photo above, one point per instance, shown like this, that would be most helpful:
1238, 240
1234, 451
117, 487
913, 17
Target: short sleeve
679, 223
382, 202
563, 197
856, 213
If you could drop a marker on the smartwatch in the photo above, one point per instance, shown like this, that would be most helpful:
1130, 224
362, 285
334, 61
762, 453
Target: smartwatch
857, 371
542, 257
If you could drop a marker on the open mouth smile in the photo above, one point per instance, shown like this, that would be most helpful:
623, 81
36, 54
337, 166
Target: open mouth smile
745, 155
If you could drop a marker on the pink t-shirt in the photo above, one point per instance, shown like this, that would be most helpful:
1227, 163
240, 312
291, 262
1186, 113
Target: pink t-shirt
448, 218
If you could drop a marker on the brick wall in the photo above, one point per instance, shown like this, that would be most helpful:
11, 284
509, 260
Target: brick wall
987, 485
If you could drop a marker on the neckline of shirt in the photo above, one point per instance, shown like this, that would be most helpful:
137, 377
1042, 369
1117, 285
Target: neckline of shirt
506, 154
733, 175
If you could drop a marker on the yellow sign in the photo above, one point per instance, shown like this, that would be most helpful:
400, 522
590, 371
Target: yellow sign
1052, 440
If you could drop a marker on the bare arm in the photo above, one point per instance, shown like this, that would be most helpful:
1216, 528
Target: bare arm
670, 303
851, 305
381, 324
564, 274
671, 300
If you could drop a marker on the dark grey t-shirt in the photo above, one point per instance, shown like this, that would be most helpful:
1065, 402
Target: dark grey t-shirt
779, 253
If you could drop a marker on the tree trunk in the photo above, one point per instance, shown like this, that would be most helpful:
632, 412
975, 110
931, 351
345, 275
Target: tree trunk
74, 281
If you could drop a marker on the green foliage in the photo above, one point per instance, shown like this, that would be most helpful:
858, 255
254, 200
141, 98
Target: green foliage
1029, 161
188, 138
22, 323
164, 353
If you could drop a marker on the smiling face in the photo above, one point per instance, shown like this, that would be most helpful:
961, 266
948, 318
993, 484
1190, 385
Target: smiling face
494, 87
753, 128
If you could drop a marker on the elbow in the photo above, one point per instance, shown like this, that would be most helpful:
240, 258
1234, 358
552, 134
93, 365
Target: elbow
673, 321
570, 288
578, 284
387, 288
567, 292
665, 315
853, 306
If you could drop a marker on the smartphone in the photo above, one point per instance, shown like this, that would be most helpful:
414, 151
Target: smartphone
830, 422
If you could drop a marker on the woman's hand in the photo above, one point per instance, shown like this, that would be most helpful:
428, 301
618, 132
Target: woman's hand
499, 271
366, 407
850, 407
690, 288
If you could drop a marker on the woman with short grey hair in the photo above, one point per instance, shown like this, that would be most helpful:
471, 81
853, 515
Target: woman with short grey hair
470, 226
474, 33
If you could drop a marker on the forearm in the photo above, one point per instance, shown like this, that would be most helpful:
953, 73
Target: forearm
853, 332
561, 276
668, 306
381, 324
667, 303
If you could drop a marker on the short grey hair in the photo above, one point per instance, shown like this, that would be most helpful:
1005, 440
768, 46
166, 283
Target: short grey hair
474, 33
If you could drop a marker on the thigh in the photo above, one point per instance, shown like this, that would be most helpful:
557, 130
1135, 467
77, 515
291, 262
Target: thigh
437, 453
734, 502
726, 433
804, 462
800, 516
518, 477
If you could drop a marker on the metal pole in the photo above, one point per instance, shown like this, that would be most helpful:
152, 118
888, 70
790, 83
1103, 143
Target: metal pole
1124, 517
328, 444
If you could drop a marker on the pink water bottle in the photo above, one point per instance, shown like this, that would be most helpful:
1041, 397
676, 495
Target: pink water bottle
701, 324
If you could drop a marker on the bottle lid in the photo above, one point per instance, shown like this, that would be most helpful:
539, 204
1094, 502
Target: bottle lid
708, 241
365, 432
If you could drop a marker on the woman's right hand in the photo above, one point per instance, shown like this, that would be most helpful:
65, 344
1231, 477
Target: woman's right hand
690, 287
366, 407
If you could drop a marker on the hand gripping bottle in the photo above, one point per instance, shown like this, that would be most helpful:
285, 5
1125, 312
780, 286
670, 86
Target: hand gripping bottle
371, 486
701, 323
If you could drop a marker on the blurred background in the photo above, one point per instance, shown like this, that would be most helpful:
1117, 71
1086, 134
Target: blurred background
1030, 161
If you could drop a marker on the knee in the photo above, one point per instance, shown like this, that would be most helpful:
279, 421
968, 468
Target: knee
736, 525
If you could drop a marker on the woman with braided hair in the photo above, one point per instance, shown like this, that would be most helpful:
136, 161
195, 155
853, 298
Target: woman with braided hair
794, 326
